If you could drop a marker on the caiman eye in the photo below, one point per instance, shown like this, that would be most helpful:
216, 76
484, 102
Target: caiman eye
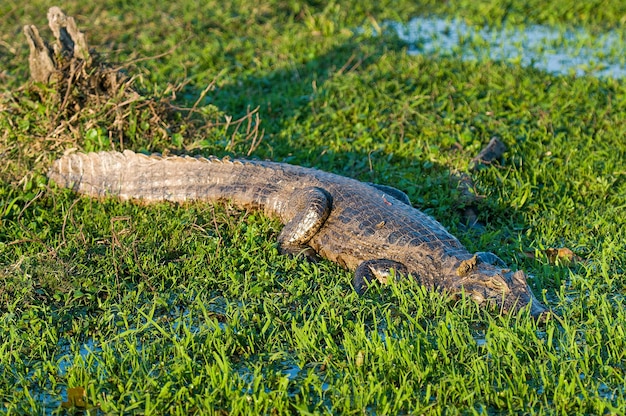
467, 266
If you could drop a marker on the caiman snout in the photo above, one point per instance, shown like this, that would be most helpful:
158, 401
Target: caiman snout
505, 289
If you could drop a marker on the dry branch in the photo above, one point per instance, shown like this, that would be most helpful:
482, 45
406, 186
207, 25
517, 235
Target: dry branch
469, 198
493, 151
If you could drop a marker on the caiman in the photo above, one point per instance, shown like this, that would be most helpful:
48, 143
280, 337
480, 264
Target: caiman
369, 228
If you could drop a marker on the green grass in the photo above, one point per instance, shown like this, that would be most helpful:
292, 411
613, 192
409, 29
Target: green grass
178, 309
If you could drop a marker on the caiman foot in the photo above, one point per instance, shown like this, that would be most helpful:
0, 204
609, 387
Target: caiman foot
300, 251
310, 208
379, 269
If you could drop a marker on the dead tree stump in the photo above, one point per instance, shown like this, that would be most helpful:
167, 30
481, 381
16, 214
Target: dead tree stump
47, 62
68, 63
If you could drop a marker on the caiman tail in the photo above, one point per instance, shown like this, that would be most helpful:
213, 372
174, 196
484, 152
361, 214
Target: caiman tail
130, 175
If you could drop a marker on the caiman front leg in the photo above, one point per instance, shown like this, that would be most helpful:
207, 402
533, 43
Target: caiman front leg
310, 207
379, 269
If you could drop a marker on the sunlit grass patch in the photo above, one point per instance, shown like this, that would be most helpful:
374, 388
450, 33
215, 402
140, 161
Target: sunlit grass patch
179, 309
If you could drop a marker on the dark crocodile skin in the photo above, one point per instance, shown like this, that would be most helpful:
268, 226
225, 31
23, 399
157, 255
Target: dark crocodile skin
340, 219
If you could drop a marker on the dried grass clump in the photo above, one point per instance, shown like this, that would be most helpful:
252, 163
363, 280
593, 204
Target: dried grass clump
78, 101
94, 104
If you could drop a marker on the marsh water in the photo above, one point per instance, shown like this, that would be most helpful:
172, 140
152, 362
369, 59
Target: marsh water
559, 51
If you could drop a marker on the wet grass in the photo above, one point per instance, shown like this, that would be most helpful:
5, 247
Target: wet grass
182, 309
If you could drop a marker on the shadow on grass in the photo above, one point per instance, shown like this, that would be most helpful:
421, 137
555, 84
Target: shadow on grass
286, 96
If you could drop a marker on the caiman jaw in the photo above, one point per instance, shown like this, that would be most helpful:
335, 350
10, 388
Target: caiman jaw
502, 288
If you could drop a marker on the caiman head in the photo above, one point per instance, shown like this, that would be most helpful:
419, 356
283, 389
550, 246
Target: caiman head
491, 285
